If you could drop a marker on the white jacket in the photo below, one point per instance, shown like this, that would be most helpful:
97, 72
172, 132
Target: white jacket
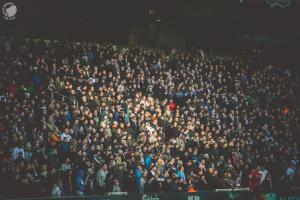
101, 177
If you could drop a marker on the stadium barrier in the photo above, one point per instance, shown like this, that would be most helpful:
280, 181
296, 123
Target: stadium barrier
204, 195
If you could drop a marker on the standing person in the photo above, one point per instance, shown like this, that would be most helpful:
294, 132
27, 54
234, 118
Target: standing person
80, 183
67, 181
138, 175
180, 173
172, 107
89, 182
101, 177
291, 172
57, 190
143, 179
254, 180
12, 88
116, 186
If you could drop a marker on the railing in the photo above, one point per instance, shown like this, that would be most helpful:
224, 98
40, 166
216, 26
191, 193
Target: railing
244, 195
219, 194
234, 189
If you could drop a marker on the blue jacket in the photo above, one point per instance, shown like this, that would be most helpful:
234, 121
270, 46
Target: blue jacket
90, 56
80, 181
138, 175
69, 116
37, 80
181, 174
148, 161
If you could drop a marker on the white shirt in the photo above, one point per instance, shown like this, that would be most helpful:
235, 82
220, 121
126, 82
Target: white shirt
65, 135
263, 174
290, 171
16, 152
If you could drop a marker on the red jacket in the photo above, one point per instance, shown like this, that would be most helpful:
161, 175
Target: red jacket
254, 179
172, 106
12, 88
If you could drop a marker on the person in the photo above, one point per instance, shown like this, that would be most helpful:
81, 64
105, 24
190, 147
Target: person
191, 188
57, 189
181, 173
80, 184
66, 166
141, 185
90, 182
198, 119
291, 172
116, 186
101, 177
254, 179
18, 152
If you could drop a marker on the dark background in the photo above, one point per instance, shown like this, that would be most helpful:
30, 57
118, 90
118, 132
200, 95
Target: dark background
226, 25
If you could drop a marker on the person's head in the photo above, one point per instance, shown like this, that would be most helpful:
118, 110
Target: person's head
90, 171
67, 160
257, 167
120, 167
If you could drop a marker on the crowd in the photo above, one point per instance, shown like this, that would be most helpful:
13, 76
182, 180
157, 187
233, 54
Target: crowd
88, 118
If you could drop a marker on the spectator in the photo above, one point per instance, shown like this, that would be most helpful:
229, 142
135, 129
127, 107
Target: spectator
116, 186
291, 171
101, 177
146, 120
57, 189
80, 182
254, 179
